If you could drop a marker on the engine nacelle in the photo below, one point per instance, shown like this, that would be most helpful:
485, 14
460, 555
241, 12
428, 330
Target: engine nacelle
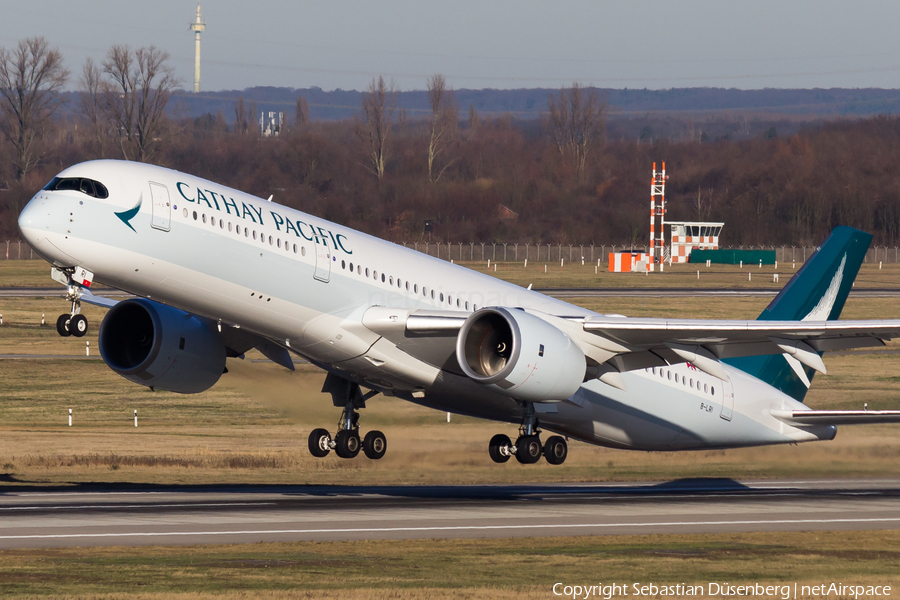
162, 347
520, 355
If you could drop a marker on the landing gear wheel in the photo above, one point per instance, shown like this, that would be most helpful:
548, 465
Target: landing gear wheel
529, 449
556, 450
375, 445
62, 325
319, 443
499, 448
78, 325
347, 443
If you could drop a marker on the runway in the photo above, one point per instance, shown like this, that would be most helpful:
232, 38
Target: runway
98, 515
689, 292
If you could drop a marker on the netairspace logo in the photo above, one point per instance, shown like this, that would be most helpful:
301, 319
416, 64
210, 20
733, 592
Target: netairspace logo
783, 592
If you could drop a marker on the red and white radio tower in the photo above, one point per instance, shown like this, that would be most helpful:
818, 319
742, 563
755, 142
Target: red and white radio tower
657, 241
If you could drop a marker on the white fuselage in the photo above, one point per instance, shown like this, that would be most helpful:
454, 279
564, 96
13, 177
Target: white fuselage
306, 283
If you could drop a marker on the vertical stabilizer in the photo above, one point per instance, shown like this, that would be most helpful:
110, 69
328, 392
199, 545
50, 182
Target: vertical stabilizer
817, 292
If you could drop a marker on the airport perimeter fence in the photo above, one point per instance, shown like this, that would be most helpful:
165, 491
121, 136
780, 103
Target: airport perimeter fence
551, 253
568, 253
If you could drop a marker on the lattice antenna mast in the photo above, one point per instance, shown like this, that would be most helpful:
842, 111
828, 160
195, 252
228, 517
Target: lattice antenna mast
197, 27
657, 209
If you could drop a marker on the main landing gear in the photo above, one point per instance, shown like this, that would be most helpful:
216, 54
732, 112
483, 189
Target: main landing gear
528, 448
346, 443
73, 323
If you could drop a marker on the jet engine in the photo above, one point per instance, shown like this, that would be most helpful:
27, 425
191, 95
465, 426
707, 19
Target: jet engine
519, 355
162, 347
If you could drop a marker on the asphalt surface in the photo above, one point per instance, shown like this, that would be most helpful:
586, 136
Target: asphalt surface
689, 292
111, 515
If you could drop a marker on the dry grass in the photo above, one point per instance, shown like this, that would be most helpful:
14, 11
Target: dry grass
449, 568
252, 426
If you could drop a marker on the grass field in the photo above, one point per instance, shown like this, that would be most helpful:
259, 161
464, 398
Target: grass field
252, 428
506, 569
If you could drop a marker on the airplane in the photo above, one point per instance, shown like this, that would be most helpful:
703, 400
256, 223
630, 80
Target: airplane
216, 272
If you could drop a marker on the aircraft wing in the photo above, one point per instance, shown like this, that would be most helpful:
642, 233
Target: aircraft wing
614, 344
836, 417
87, 296
635, 341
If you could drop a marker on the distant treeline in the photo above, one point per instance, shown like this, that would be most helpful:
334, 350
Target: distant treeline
509, 183
568, 166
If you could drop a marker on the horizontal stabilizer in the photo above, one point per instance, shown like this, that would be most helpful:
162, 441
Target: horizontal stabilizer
836, 417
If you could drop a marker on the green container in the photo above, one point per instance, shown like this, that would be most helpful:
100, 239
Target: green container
733, 257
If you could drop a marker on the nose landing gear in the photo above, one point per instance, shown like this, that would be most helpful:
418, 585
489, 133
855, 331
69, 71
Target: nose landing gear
346, 442
73, 323
528, 448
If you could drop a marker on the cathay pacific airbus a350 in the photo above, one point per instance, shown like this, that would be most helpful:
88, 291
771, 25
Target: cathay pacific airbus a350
218, 272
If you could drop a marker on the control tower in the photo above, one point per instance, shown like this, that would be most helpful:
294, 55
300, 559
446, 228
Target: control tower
197, 27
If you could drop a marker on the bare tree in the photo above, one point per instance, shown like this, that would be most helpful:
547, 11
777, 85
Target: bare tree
301, 114
443, 123
240, 116
91, 102
378, 109
31, 76
576, 123
138, 88
702, 202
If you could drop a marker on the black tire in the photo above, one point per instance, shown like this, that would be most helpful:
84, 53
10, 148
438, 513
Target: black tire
347, 443
374, 445
556, 450
319, 443
62, 325
78, 325
529, 449
499, 448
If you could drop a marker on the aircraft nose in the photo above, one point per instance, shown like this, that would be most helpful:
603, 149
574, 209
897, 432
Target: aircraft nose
30, 222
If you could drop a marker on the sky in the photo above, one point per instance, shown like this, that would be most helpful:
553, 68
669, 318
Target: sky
479, 44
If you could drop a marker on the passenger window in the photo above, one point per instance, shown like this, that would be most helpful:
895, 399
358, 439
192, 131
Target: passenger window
270, 240
432, 294
203, 217
669, 375
279, 243
467, 305
343, 265
712, 390
351, 267
705, 388
254, 234
212, 221
442, 297
195, 215
295, 251
382, 278
391, 280
221, 224
302, 250
367, 271
415, 288
185, 213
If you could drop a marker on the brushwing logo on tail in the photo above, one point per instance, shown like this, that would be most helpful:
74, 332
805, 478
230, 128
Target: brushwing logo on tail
127, 215
820, 312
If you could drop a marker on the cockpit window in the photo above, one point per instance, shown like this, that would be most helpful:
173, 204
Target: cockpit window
90, 187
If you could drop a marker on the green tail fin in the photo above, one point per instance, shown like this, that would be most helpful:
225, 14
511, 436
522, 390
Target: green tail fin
817, 292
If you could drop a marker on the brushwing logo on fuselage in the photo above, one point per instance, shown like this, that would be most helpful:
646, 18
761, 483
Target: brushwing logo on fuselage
127, 215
